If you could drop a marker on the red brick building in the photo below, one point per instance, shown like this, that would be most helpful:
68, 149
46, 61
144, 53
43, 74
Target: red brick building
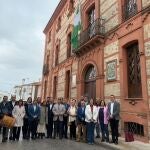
112, 57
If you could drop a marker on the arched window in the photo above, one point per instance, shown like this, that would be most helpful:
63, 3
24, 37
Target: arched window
130, 8
90, 73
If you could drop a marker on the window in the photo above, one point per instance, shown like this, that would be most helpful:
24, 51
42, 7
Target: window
67, 90
47, 60
91, 15
134, 72
91, 21
90, 74
55, 81
59, 24
130, 8
69, 45
134, 128
45, 89
56, 55
71, 7
46, 66
49, 37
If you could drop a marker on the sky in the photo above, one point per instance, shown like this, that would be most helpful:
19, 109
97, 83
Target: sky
22, 40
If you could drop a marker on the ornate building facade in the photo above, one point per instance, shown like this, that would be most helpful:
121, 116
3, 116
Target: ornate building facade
112, 57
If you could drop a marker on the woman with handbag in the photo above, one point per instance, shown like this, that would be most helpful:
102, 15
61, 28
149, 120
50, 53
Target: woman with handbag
72, 111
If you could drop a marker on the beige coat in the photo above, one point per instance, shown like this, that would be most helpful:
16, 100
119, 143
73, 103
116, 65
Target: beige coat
18, 113
58, 111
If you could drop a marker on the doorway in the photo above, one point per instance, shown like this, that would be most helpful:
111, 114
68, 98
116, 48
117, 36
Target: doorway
90, 82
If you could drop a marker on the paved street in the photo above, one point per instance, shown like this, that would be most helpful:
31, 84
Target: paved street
49, 144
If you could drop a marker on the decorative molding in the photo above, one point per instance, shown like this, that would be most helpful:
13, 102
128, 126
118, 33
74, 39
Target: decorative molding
113, 35
142, 53
145, 16
142, 115
133, 102
102, 76
120, 60
128, 26
69, 29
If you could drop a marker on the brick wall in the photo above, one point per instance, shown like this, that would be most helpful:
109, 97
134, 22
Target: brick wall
145, 3
111, 52
109, 12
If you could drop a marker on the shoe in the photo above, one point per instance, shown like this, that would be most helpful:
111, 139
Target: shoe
27, 138
116, 142
78, 140
97, 136
10, 138
4, 140
102, 140
111, 142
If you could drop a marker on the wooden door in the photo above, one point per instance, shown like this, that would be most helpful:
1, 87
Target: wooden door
90, 83
90, 89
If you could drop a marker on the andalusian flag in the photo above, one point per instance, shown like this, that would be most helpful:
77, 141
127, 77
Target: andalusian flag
77, 27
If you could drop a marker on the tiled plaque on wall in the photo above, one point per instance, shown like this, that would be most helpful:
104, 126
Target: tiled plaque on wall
111, 70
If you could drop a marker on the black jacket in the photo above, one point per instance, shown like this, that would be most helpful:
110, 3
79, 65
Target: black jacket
5, 109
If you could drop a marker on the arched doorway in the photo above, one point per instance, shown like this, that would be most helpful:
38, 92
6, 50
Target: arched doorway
90, 82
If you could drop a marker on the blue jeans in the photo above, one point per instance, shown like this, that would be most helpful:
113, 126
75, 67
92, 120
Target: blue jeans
90, 132
104, 130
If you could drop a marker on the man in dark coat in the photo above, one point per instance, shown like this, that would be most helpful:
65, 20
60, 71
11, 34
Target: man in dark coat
114, 115
33, 117
26, 129
49, 117
5, 109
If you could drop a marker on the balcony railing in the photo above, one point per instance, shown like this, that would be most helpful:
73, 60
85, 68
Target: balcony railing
45, 69
96, 29
129, 10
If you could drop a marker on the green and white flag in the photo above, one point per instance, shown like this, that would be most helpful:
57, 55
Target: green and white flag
77, 27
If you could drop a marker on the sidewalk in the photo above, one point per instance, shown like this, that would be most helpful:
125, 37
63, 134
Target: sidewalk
136, 145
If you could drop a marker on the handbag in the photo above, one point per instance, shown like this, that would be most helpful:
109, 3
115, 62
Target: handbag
129, 137
7, 121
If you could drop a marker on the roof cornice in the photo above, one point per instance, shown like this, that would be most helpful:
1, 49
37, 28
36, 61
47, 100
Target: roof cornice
55, 15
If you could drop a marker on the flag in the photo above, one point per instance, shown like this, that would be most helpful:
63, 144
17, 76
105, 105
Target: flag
76, 28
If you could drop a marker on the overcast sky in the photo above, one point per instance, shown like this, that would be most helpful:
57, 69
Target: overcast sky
22, 40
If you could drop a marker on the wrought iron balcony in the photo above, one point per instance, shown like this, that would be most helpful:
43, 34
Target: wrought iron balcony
45, 69
90, 36
129, 9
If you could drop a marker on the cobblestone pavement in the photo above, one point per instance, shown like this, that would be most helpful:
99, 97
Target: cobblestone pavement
50, 144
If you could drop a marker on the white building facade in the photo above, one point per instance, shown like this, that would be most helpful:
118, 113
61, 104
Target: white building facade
27, 90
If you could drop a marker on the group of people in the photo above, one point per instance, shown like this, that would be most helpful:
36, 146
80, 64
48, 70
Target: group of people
39, 119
